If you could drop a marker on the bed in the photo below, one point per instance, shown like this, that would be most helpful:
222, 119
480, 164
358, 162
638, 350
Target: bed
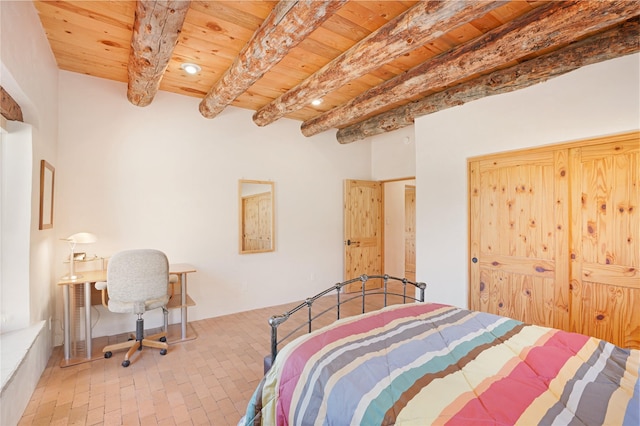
428, 363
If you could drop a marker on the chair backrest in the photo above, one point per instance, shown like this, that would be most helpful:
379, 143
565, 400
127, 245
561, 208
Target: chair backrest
137, 275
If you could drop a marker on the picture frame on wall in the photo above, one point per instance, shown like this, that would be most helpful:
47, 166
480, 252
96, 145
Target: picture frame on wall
47, 180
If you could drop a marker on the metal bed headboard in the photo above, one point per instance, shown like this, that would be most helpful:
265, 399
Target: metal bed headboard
277, 320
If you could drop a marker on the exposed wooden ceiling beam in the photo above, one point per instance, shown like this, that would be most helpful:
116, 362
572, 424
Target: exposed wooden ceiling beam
422, 24
9, 108
619, 41
156, 29
544, 28
287, 25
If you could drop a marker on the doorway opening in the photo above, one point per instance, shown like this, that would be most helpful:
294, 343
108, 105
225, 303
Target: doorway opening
400, 228
379, 232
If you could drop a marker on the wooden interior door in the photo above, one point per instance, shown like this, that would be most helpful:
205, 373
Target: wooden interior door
410, 232
605, 247
363, 211
519, 236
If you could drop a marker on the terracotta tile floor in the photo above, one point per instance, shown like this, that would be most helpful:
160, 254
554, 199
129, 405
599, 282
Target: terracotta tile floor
208, 380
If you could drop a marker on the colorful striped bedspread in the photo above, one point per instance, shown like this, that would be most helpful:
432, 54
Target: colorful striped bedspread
423, 364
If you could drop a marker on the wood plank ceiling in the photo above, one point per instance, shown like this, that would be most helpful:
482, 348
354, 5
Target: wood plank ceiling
376, 65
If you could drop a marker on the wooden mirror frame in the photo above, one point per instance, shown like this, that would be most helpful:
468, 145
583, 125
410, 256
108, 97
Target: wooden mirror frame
264, 240
47, 179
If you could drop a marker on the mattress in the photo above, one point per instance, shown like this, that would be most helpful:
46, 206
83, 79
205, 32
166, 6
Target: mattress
426, 363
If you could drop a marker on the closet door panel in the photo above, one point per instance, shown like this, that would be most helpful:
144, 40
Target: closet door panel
517, 205
605, 247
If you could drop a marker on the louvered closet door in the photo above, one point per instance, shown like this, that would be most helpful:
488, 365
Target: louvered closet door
518, 236
605, 247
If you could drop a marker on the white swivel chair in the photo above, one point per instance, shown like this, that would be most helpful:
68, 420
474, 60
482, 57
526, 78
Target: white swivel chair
137, 281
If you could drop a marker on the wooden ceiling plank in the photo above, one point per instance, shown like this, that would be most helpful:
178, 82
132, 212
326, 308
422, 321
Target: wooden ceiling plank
285, 75
304, 59
358, 13
346, 28
486, 23
327, 53
63, 20
286, 26
619, 41
107, 62
421, 24
387, 10
83, 58
180, 88
216, 29
78, 29
248, 15
335, 42
214, 48
89, 41
156, 29
546, 26
271, 84
250, 100
115, 13
94, 38
368, 80
265, 91
271, 87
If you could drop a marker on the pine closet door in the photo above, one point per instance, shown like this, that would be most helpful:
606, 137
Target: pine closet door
554, 236
605, 245
518, 236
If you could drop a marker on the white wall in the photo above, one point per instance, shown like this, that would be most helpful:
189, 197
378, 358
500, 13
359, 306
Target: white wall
165, 177
28, 72
596, 100
393, 154
15, 221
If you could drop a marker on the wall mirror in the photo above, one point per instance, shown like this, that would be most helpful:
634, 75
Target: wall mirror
257, 213
47, 174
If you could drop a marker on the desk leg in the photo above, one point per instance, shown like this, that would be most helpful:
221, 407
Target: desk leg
67, 325
183, 308
87, 319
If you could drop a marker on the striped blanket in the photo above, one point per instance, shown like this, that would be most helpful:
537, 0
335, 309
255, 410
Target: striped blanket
423, 364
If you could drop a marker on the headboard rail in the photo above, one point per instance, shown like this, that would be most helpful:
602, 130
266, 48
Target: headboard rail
276, 320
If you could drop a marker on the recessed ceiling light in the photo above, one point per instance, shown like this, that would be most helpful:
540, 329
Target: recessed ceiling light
190, 68
316, 102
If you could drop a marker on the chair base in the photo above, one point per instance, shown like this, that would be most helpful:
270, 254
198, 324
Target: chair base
138, 341
135, 345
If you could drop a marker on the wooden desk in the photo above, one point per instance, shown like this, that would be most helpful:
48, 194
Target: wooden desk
182, 269
86, 281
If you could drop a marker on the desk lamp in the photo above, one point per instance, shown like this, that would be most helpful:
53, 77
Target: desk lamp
79, 238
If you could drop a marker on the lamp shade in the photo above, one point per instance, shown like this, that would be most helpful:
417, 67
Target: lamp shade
82, 238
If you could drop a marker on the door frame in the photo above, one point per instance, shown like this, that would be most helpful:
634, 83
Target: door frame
382, 222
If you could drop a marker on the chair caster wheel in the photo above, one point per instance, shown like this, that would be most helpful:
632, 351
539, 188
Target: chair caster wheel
163, 351
163, 339
126, 363
107, 354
